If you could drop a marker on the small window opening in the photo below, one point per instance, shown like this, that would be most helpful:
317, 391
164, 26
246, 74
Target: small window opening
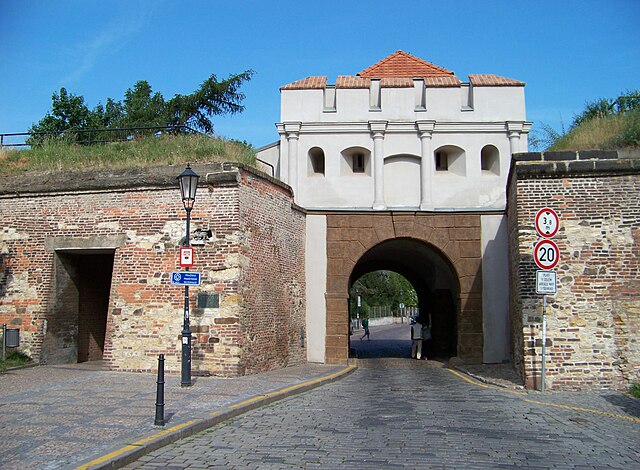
358, 163
442, 163
490, 160
316, 161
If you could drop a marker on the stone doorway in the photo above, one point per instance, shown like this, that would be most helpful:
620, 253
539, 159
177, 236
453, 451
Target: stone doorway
77, 321
440, 254
434, 280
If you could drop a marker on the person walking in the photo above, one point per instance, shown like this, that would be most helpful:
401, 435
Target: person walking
365, 325
426, 335
416, 339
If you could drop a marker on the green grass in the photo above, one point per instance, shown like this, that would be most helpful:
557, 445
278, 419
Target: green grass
14, 359
605, 133
635, 390
143, 152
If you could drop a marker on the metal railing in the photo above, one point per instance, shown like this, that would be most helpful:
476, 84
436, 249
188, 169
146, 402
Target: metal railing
118, 134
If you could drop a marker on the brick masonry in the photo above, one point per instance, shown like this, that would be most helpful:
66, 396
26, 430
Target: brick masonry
455, 236
594, 319
252, 261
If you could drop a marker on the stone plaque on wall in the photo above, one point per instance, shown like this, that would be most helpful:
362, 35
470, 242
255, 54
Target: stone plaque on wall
207, 300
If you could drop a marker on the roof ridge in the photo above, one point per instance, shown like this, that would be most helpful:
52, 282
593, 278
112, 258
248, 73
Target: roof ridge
405, 65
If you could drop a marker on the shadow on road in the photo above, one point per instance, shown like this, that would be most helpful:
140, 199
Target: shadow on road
385, 341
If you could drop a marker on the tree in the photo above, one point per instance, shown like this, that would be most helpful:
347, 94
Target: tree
68, 112
385, 288
142, 107
211, 99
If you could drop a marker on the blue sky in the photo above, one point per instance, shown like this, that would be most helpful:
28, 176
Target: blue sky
567, 52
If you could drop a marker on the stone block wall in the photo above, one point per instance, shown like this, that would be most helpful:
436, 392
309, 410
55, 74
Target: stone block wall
593, 321
455, 237
136, 216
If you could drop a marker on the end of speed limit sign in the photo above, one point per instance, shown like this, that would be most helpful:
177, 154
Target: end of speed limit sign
546, 254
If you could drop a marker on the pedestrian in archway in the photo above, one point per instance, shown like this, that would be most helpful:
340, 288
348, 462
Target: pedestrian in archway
365, 325
416, 338
426, 334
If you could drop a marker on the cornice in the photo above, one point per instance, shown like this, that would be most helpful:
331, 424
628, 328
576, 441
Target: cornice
404, 127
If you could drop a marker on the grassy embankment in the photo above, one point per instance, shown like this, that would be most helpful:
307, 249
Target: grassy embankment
603, 133
143, 152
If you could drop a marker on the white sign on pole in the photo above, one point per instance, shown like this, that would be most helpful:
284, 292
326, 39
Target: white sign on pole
546, 282
186, 257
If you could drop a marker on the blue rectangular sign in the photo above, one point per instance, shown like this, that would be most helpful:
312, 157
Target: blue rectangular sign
187, 278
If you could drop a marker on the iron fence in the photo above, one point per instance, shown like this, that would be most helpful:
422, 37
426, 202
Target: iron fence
92, 136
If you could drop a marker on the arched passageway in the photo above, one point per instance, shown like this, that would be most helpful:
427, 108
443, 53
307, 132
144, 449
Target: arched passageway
434, 280
439, 254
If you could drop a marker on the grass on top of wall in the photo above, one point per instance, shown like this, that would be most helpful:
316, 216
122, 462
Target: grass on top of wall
143, 152
602, 133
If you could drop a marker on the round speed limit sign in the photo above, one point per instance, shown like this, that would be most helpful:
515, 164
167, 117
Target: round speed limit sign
546, 254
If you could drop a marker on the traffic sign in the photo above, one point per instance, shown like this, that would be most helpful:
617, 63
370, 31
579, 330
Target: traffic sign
546, 282
546, 254
186, 257
188, 278
547, 222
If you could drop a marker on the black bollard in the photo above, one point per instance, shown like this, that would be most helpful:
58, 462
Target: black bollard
159, 421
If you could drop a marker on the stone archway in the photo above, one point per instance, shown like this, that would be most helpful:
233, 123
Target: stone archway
456, 236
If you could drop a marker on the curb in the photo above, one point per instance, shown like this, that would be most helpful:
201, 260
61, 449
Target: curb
485, 380
132, 452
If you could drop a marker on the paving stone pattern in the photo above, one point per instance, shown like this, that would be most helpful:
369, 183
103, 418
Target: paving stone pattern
56, 417
416, 416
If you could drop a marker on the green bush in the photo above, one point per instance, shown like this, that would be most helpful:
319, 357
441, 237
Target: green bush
635, 390
14, 359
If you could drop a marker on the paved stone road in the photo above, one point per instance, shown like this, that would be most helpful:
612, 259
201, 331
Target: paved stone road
402, 413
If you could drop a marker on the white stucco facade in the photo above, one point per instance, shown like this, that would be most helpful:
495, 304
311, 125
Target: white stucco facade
403, 143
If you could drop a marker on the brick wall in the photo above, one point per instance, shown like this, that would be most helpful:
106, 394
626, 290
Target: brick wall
273, 282
593, 320
137, 216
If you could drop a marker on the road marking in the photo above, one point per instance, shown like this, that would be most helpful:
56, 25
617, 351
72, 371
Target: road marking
109, 456
292, 388
141, 442
536, 402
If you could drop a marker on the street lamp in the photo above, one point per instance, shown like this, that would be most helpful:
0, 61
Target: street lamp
188, 185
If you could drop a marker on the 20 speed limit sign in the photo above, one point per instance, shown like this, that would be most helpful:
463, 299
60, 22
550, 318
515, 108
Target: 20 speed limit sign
546, 254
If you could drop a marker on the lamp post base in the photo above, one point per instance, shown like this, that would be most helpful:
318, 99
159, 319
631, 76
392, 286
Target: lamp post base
185, 378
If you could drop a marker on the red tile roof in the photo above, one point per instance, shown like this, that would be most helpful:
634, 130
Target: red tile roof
492, 80
441, 82
398, 71
401, 64
308, 83
344, 81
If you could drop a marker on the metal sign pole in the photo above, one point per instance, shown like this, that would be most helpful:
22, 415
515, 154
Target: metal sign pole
544, 342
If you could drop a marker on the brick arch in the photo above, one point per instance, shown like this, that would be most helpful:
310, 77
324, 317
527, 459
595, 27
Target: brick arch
350, 236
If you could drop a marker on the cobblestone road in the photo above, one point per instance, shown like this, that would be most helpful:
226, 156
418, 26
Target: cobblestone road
400, 413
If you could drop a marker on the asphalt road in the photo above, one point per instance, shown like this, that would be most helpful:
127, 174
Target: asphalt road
395, 412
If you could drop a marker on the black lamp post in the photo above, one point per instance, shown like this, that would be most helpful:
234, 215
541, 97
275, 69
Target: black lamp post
188, 185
